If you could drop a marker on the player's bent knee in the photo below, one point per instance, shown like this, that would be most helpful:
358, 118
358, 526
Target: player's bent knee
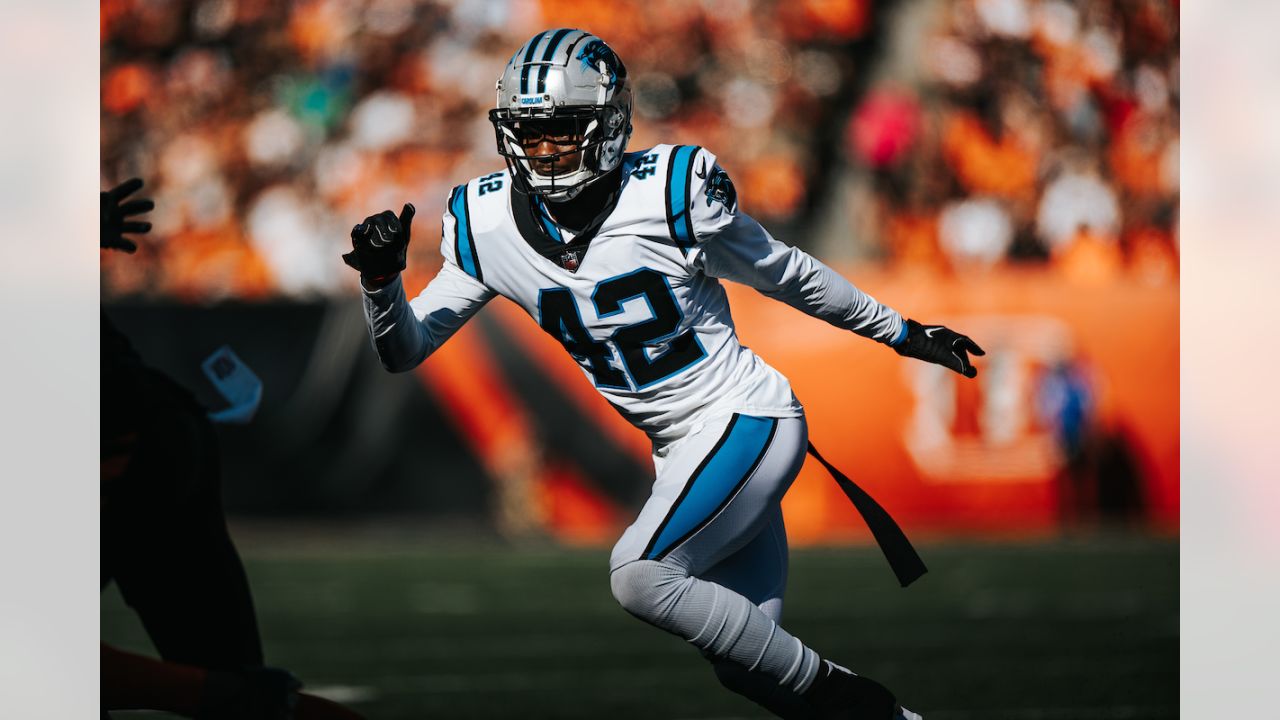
647, 588
730, 674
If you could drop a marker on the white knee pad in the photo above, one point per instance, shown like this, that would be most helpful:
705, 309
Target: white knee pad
721, 623
649, 589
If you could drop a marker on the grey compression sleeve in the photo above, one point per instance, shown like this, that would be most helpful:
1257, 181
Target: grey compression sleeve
405, 333
743, 251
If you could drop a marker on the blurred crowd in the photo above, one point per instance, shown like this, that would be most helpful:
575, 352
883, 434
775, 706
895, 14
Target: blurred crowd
1035, 131
265, 130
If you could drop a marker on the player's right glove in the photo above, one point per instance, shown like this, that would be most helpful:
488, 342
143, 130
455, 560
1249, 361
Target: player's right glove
940, 345
379, 245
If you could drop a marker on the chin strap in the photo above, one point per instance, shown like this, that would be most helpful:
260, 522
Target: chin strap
897, 549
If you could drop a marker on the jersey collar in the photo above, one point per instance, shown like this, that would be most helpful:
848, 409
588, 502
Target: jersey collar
542, 234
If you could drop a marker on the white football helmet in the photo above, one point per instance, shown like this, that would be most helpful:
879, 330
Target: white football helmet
563, 82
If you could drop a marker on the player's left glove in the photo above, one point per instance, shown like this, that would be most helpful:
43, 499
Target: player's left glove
112, 222
941, 345
379, 245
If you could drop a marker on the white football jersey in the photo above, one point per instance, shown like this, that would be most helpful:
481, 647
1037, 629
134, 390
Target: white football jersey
636, 300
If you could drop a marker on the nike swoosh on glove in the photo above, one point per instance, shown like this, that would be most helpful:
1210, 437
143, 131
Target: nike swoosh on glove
940, 345
379, 245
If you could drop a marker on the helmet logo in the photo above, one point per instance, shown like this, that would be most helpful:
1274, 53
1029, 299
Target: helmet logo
720, 188
534, 101
595, 51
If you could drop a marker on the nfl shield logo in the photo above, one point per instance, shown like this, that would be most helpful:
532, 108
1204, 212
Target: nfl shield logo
569, 259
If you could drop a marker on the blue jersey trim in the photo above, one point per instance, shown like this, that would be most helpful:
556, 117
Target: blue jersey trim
545, 216
679, 175
464, 244
715, 482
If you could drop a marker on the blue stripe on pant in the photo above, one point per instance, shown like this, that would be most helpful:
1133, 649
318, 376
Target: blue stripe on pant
715, 482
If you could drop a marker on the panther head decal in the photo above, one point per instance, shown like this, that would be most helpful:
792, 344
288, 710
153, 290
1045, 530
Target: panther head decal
720, 188
595, 51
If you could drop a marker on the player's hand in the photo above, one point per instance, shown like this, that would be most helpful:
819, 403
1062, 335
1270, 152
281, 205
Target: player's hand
261, 693
941, 345
379, 245
113, 222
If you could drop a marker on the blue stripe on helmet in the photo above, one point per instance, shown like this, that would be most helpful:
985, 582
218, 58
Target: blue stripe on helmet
464, 245
716, 482
679, 174
552, 46
528, 58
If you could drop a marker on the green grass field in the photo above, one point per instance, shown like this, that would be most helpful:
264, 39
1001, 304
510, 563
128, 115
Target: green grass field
1074, 630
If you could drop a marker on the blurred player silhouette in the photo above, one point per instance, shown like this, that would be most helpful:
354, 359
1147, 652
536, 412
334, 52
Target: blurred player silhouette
619, 257
164, 539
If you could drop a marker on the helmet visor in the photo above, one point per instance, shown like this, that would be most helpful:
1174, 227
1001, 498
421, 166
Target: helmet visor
551, 152
560, 132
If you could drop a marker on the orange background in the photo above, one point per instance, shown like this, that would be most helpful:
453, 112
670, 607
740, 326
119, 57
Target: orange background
863, 411
859, 400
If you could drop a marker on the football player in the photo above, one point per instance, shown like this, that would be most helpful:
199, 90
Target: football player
164, 539
619, 256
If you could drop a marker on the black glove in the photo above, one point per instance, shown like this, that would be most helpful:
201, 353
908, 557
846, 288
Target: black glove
379, 245
261, 693
941, 345
112, 223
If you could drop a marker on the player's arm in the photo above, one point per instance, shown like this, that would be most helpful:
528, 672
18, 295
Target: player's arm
733, 246
405, 333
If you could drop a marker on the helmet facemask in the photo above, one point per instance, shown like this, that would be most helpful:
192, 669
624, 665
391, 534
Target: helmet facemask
592, 132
